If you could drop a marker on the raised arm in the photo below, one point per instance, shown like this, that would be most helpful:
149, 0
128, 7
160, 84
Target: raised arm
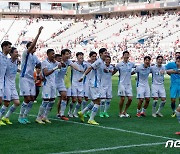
33, 44
85, 73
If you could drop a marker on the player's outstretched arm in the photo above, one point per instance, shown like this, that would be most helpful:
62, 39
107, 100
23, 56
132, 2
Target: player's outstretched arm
33, 44
85, 73
76, 67
47, 72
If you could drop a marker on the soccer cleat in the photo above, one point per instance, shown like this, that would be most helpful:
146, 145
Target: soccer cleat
27, 121
101, 114
6, 120
158, 114
126, 115
58, 115
106, 115
75, 115
70, 115
35, 101
177, 133
173, 115
21, 121
143, 114
92, 122
80, 115
122, 116
39, 121
46, 120
154, 115
64, 118
138, 115
85, 115
2, 123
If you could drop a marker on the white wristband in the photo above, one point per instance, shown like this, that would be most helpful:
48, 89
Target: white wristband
83, 76
55, 68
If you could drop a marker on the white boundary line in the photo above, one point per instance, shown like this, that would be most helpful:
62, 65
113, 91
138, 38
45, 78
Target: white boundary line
111, 128
112, 148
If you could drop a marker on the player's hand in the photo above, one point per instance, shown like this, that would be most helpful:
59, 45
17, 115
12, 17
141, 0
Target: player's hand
59, 65
81, 79
162, 72
40, 29
82, 71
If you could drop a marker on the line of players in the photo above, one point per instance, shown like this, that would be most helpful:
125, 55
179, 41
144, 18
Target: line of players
94, 74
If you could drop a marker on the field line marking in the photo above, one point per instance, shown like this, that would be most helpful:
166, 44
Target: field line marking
112, 148
110, 128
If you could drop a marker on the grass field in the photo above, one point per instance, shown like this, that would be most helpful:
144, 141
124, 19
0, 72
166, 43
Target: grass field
114, 135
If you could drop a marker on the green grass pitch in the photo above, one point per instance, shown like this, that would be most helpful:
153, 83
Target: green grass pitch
114, 135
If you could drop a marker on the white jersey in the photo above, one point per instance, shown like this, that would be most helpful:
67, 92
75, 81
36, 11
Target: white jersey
86, 79
106, 80
3, 67
142, 75
29, 61
10, 76
50, 79
76, 75
125, 70
61, 73
96, 74
157, 78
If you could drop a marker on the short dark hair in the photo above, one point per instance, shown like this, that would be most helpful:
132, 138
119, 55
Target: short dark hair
38, 66
178, 58
92, 53
102, 50
177, 52
125, 52
159, 57
63, 52
49, 51
12, 50
57, 55
108, 57
147, 57
79, 53
28, 44
5, 44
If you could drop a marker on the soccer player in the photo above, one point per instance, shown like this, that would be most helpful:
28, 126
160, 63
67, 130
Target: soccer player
10, 92
143, 90
106, 85
27, 85
6, 48
124, 87
49, 66
77, 87
65, 53
158, 90
95, 86
92, 59
174, 83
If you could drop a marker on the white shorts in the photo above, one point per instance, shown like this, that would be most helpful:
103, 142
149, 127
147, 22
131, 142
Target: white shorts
125, 90
48, 92
27, 87
10, 94
69, 92
158, 91
77, 91
94, 93
106, 92
86, 89
143, 92
61, 87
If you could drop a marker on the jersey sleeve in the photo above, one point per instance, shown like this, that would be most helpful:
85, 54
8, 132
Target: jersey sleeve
69, 62
44, 65
96, 64
37, 61
136, 70
168, 66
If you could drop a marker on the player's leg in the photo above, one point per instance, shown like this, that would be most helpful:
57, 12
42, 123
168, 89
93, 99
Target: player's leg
102, 106
129, 100
173, 94
16, 103
77, 107
121, 93
147, 100
140, 97
83, 106
58, 107
155, 96
107, 106
178, 117
2, 112
63, 105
